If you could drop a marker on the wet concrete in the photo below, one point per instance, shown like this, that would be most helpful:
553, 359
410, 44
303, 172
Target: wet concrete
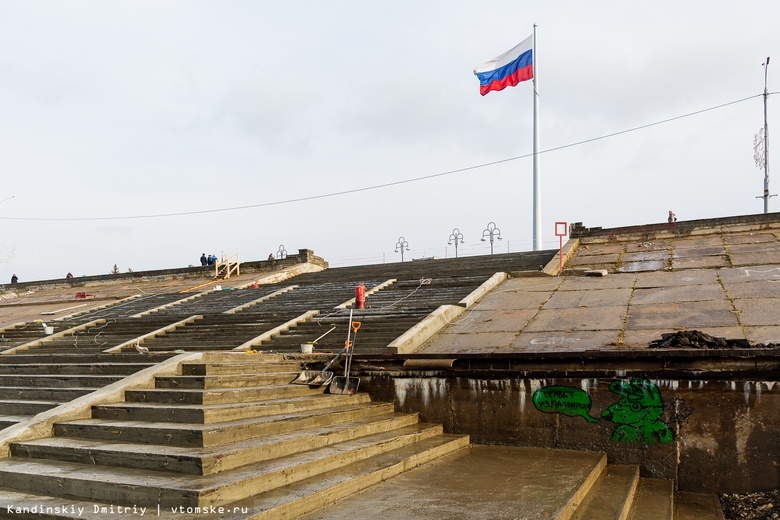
478, 483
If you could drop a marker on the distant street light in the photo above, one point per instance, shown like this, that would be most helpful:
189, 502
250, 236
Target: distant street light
761, 144
401, 245
490, 231
455, 236
281, 254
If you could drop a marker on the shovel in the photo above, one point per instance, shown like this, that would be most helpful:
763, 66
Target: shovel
347, 385
318, 377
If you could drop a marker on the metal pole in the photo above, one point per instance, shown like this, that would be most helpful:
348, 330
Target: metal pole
537, 180
766, 141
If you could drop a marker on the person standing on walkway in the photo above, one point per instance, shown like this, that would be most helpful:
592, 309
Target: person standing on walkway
672, 217
14, 279
204, 260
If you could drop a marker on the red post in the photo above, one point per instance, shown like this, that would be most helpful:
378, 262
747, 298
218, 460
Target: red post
560, 232
360, 296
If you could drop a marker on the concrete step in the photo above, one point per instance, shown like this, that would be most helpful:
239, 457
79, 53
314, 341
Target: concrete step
219, 395
206, 460
187, 347
209, 414
299, 498
43, 394
10, 420
200, 435
611, 496
226, 381
148, 488
23, 407
287, 502
210, 369
654, 500
73, 368
697, 506
59, 381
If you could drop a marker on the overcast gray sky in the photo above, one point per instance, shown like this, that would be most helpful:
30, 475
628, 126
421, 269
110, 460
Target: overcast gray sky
135, 108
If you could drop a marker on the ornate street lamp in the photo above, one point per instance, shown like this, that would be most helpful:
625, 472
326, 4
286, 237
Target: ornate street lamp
456, 236
400, 246
281, 254
490, 231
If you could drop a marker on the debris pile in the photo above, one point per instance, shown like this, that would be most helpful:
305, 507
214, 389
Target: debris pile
698, 339
751, 506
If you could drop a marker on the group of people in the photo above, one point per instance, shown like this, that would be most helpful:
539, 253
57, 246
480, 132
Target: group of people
208, 260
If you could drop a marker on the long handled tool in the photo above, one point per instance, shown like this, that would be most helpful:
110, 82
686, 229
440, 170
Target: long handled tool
347, 385
318, 377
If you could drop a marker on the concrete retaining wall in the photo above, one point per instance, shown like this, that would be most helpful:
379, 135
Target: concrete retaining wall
757, 222
724, 436
207, 272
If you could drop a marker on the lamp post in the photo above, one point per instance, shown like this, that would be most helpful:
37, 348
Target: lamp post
490, 231
762, 159
455, 237
401, 245
281, 253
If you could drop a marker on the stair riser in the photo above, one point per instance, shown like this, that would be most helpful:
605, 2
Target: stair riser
308, 503
140, 495
76, 370
217, 435
23, 408
238, 368
44, 394
6, 424
187, 348
58, 382
236, 381
210, 416
219, 396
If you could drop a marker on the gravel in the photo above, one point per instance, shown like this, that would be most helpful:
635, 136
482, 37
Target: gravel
751, 506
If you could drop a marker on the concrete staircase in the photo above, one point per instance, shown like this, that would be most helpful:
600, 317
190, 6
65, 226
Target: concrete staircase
228, 432
33, 383
231, 436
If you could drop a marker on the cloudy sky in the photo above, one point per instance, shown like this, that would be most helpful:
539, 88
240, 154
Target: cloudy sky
115, 112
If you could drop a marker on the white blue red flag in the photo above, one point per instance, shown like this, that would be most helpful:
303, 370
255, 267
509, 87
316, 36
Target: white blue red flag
509, 69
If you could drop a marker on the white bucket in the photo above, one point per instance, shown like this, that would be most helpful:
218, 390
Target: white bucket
307, 348
48, 329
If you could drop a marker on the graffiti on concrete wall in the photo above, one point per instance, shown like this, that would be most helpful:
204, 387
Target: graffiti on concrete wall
636, 415
567, 400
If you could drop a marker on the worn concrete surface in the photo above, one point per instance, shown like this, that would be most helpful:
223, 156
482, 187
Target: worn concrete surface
478, 483
726, 284
27, 304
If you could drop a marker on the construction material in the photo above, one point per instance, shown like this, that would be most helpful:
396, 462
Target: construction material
308, 347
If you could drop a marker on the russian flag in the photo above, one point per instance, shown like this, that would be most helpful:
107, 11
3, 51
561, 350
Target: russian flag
509, 69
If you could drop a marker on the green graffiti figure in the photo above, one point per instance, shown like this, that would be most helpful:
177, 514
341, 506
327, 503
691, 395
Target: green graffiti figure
637, 413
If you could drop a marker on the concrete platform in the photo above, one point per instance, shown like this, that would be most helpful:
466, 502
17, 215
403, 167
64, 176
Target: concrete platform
481, 482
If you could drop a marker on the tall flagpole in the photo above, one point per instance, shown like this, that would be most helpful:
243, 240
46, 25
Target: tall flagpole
537, 180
